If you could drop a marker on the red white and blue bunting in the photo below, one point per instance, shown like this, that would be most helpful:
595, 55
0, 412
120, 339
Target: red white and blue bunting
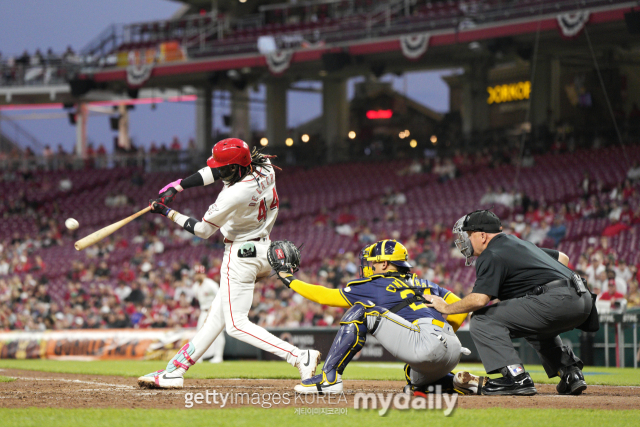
414, 46
279, 61
137, 75
572, 23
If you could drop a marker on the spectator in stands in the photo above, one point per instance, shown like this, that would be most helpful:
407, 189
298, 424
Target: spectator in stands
414, 168
69, 54
423, 233
489, 197
24, 58
615, 228
345, 217
615, 281
175, 144
126, 274
137, 295
594, 270
586, 184
445, 170
122, 291
366, 237
634, 172
611, 300
623, 271
558, 230
633, 300
322, 218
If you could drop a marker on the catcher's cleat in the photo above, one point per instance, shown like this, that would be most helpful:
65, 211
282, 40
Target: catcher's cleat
467, 383
161, 379
319, 384
446, 383
571, 381
307, 362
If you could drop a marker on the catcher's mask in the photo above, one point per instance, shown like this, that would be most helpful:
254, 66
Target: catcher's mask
384, 250
481, 220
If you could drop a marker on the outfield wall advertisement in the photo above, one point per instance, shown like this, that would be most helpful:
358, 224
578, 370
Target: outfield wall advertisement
149, 344
157, 344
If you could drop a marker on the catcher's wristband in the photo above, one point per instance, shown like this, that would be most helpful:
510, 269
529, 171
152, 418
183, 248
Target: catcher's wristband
286, 279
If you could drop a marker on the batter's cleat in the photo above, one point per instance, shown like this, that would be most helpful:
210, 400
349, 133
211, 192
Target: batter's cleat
466, 383
319, 384
521, 385
161, 379
307, 362
216, 359
571, 381
172, 375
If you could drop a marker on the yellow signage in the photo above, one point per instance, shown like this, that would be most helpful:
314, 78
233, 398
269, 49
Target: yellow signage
509, 92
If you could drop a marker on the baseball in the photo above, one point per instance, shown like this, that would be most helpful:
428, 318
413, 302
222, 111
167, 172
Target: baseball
71, 223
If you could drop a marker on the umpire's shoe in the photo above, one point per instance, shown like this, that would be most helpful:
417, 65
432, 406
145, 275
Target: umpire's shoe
323, 383
514, 382
571, 381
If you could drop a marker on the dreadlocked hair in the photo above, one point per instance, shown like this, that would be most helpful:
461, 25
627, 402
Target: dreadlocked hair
257, 159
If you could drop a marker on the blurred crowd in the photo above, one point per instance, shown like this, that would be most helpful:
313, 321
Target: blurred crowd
147, 291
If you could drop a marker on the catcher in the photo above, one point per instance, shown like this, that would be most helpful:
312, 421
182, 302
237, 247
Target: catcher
387, 303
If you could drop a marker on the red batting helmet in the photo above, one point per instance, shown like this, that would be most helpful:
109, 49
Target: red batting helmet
230, 151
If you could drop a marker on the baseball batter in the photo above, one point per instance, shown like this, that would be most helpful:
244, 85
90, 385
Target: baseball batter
206, 290
387, 303
244, 212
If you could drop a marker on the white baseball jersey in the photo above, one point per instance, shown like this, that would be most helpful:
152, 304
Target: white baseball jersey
245, 213
206, 291
247, 209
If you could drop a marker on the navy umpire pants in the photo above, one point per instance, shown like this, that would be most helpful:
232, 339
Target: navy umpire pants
537, 318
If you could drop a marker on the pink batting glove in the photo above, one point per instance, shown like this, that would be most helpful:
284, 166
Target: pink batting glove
173, 184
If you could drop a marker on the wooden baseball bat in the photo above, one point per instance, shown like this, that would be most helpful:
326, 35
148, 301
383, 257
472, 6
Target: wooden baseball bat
96, 236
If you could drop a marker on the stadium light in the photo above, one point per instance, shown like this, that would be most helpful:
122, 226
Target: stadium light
305, 138
352, 135
264, 142
413, 143
407, 133
289, 142
401, 135
434, 139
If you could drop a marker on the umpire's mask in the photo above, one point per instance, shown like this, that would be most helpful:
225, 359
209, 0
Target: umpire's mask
462, 241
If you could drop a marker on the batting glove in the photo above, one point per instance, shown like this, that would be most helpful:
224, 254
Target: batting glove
169, 192
157, 207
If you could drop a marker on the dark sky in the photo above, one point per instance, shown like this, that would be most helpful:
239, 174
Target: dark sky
31, 24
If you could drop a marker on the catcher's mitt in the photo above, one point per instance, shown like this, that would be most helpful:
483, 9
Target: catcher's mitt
284, 256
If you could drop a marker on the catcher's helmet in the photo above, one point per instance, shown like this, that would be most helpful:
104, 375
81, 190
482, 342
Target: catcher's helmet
230, 151
384, 250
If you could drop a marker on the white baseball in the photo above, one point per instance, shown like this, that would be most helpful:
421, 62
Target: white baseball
71, 223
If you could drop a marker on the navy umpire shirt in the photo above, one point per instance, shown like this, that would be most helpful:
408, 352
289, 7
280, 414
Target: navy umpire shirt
510, 267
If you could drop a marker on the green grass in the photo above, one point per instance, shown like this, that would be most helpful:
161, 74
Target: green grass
6, 379
256, 369
239, 417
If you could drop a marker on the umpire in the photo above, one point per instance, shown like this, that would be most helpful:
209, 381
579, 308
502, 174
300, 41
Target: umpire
539, 297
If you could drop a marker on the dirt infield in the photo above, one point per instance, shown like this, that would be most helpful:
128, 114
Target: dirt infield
46, 389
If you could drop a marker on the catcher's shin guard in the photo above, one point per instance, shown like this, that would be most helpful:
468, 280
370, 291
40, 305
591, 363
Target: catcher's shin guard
349, 340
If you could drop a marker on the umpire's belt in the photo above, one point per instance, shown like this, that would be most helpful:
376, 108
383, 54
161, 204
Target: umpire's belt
560, 283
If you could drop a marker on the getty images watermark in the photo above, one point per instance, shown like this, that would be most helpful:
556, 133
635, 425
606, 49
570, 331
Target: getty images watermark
383, 402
